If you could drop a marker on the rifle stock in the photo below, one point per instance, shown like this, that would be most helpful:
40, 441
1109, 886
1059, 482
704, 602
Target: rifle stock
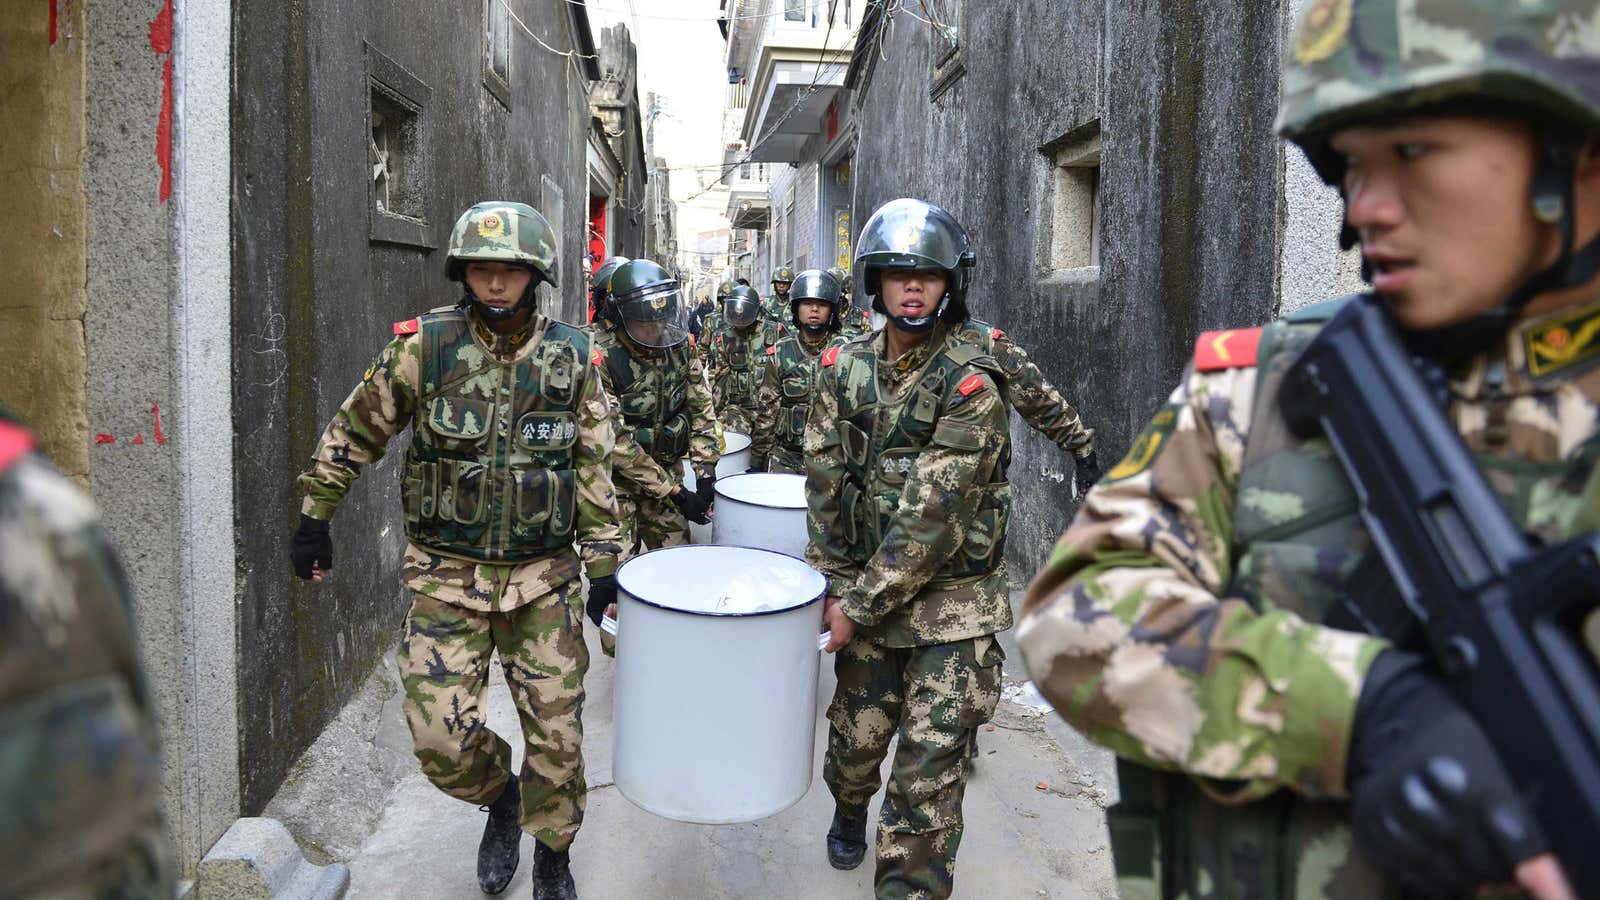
1513, 627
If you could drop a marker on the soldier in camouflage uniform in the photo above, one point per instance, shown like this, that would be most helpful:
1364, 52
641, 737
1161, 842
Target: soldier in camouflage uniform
736, 354
1189, 618
600, 294
80, 778
776, 307
906, 453
853, 320
783, 402
508, 466
665, 407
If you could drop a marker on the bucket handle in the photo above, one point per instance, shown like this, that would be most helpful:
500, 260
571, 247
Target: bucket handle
823, 639
608, 625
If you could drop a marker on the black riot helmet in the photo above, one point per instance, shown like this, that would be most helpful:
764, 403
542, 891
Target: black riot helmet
815, 284
600, 289
913, 234
649, 304
742, 306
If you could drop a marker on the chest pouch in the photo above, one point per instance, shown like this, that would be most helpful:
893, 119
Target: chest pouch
459, 423
546, 502
462, 490
638, 406
856, 444
542, 432
558, 364
796, 386
925, 399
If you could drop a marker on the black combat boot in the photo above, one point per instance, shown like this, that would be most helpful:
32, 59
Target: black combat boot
500, 850
552, 878
847, 839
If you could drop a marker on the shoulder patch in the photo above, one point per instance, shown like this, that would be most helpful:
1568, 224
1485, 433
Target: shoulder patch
1231, 349
830, 356
410, 326
15, 443
972, 383
1148, 445
996, 335
773, 350
597, 358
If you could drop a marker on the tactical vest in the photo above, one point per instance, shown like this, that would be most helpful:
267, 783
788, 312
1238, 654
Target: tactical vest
654, 396
797, 377
1298, 540
880, 438
490, 474
743, 354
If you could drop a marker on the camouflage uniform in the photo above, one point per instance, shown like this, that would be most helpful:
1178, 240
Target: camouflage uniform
522, 425
908, 505
1030, 393
854, 321
735, 359
1178, 621
665, 413
783, 402
79, 771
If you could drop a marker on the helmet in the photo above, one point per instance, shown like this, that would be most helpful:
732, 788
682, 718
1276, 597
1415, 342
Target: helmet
843, 277
815, 284
742, 306
1359, 60
600, 288
912, 234
782, 273
507, 232
648, 303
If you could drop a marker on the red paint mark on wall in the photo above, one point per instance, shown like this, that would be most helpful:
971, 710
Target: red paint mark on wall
156, 412
138, 438
161, 43
52, 23
104, 439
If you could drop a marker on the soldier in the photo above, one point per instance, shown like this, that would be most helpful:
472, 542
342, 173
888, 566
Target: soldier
665, 405
776, 307
853, 320
80, 777
789, 377
508, 465
906, 452
1183, 620
736, 354
600, 292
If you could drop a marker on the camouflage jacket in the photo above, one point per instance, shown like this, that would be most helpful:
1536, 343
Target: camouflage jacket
776, 309
651, 385
1178, 620
783, 402
853, 321
388, 399
906, 492
79, 769
735, 359
1032, 395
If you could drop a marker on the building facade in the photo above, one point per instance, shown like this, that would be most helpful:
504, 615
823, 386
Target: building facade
618, 166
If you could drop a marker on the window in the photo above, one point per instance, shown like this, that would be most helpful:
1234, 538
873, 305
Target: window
788, 229
1074, 241
497, 50
397, 153
794, 10
949, 57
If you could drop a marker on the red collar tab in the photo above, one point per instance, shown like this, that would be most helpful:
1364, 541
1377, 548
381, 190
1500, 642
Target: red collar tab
15, 443
997, 334
830, 356
773, 350
972, 383
1215, 351
410, 326
597, 357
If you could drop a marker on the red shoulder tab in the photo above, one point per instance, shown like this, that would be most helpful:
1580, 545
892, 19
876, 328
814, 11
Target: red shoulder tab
409, 326
972, 383
15, 443
997, 334
719, 338
773, 350
1231, 349
597, 357
830, 356
692, 341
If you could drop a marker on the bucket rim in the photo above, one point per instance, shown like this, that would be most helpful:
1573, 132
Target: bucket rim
723, 615
723, 482
731, 440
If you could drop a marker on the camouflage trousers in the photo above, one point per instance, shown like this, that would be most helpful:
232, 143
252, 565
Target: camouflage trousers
649, 524
737, 418
444, 666
786, 463
932, 698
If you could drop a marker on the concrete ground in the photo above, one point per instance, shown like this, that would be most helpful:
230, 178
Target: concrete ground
1034, 815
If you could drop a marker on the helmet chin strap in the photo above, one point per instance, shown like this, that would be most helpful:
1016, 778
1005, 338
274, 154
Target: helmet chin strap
921, 324
1553, 202
495, 313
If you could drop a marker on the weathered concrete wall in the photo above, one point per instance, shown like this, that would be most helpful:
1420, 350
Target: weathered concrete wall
42, 251
314, 299
1183, 93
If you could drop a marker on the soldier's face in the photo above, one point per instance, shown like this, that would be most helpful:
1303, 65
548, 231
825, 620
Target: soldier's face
499, 285
912, 293
813, 312
1441, 204
781, 288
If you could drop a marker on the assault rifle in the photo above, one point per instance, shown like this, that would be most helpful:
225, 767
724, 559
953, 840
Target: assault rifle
1504, 619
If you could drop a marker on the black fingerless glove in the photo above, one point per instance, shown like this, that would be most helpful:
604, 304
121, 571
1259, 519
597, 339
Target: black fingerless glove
1088, 471
602, 593
706, 488
311, 545
691, 505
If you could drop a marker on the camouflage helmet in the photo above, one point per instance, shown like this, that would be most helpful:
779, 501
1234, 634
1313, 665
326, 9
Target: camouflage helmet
1355, 60
601, 282
782, 274
742, 306
815, 284
502, 231
841, 276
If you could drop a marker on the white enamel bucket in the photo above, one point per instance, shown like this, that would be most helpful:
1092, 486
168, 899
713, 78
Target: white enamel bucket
716, 682
763, 509
735, 460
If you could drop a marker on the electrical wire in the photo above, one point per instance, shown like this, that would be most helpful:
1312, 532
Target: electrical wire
569, 54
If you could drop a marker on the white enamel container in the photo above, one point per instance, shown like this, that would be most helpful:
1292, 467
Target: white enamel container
716, 682
735, 460
765, 510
